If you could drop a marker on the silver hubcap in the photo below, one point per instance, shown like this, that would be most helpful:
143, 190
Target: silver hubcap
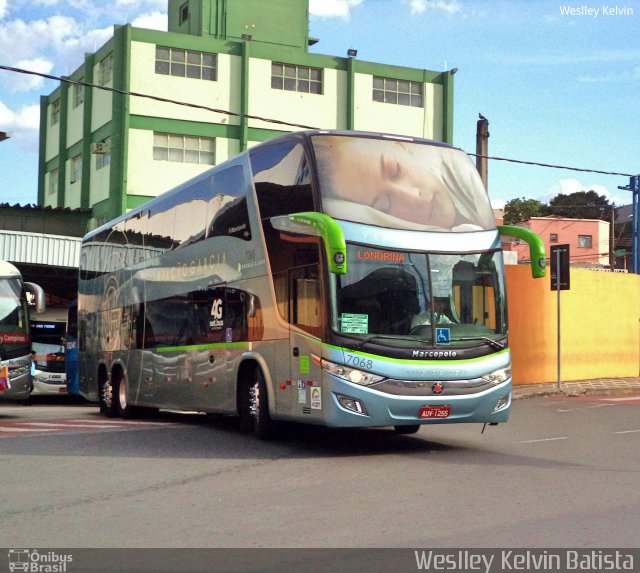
122, 393
254, 400
107, 394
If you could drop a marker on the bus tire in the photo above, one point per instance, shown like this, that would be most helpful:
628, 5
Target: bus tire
412, 429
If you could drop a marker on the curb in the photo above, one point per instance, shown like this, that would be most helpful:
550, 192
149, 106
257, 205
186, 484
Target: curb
598, 387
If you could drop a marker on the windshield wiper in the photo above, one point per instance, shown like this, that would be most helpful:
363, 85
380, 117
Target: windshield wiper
375, 337
491, 341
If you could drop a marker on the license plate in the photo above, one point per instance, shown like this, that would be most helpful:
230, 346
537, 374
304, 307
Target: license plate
435, 411
62, 390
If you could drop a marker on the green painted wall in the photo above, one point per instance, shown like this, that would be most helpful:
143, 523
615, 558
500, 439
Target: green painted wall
230, 19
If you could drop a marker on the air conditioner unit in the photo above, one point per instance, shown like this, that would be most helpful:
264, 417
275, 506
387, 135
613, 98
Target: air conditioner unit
100, 148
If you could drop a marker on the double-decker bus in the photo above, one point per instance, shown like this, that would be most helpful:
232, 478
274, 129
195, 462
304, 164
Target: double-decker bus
337, 278
15, 342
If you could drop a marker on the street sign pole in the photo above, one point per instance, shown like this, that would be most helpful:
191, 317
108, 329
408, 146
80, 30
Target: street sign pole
560, 280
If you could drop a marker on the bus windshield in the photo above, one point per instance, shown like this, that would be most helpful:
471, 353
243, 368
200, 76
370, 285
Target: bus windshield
401, 184
14, 323
408, 299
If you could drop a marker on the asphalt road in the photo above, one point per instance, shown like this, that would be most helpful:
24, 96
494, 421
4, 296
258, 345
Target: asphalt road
561, 473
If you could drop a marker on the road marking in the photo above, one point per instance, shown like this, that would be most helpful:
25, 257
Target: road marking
543, 440
627, 432
24, 430
19, 427
625, 399
75, 424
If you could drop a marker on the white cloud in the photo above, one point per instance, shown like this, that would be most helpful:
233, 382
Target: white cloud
152, 20
572, 185
421, 6
332, 8
23, 126
3, 8
25, 83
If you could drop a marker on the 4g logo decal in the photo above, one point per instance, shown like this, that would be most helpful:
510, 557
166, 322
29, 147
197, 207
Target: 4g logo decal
216, 322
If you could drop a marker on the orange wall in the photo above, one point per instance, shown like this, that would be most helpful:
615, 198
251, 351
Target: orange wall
600, 326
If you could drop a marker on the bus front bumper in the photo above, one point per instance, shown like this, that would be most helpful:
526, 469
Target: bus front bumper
357, 406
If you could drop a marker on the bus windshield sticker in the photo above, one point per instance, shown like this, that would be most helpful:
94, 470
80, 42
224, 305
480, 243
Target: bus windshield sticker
304, 364
355, 323
316, 399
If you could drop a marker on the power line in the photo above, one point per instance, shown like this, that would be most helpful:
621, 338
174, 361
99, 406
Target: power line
276, 121
581, 169
152, 97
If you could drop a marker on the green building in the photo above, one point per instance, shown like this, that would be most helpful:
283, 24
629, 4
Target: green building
244, 66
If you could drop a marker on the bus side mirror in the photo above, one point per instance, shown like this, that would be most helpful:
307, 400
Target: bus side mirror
38, 296
318, 225
537, 253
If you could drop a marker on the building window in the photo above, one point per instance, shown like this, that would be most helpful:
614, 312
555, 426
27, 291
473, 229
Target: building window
55, 112
184, 13
296, 78
553, 238
53, 182
78, 94
186, 63
105, 70
401, 92
76, 169
102, 151
585, 241
183, 148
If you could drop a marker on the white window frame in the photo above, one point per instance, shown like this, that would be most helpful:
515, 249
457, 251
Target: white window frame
105, 70
180, 148
398, 92
76, 169
294, 78
55, 112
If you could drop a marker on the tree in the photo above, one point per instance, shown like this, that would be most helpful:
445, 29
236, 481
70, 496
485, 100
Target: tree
581, 205
521, 210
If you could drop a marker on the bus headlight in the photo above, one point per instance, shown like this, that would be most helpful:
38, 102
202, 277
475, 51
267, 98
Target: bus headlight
498, 376
351, 374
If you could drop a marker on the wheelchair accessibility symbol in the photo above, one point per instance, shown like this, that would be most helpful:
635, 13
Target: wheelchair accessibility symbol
443, 335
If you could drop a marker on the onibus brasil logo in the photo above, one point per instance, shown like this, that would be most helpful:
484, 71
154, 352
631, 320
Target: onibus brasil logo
34, 561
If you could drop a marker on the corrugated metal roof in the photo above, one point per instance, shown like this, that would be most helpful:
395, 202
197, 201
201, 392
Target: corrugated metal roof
39, 249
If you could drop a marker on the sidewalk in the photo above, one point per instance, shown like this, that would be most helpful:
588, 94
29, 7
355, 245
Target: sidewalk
599, 386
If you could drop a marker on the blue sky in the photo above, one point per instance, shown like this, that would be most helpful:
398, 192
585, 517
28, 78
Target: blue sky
557, 87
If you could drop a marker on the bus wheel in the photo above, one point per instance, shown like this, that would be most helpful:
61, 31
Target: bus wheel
264, 427
407, 429
107, 402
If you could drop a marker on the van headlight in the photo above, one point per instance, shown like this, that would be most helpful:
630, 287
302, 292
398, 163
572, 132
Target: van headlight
498, 376
351, 374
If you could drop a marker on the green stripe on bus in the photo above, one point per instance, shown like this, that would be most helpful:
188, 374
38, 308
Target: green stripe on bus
203, 346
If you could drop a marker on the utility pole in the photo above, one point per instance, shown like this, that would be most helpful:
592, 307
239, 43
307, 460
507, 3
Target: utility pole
482, 149
612, 234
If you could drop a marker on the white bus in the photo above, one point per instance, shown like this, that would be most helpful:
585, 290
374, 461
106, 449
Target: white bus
337, 278
15, 342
